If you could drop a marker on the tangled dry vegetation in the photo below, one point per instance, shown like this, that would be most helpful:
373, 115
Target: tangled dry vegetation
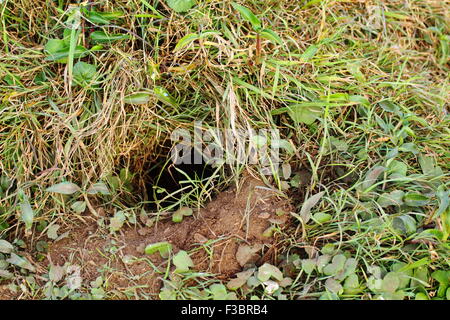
90, 93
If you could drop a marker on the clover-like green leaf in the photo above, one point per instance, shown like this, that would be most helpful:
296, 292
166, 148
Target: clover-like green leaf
267, 271
164, 248
182, 261
84, 73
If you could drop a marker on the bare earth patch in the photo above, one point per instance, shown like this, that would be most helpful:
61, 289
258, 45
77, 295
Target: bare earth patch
234, 220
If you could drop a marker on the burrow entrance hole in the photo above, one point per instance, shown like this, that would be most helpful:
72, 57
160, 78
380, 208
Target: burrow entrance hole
168, 184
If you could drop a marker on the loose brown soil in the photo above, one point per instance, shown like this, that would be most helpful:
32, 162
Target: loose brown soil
212, 235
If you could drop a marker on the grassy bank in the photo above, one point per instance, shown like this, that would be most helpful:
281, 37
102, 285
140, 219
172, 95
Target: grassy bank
90, 94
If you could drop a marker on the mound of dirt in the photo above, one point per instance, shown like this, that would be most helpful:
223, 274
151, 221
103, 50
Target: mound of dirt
223, 237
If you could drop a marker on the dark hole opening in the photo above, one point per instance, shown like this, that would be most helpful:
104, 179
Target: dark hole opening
168, 184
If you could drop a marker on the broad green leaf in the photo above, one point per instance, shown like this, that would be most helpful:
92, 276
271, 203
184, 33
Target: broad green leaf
42, 246
333, 286
5, 246
398, 167
117, 221
444, 200
349, 268
305, 211
270, 287
287, 171
372, 177
321, 217
180, 6
391, 282
417, 264
66, 187
56, 273
54, 45
99, 187
375, 271
271, 35
404, 224
241, 279
339, 145
398, 295
182, 261
282, 144
421, 296
443, 278
355, 70
97, 17
5, 182
219, 291
336, 265
389, 106
328, 295
322, 262
103, 17
185, 41
309, 53
247, 15
374, 284
102, 37
445, 219
52, 231
415, 199
84, 73
409, 147
351, 284
308, 265
430, 234
167, 294
6, 275
420, 277
304, 113
427, 164
180, 213
329, 248
394, 198
113, 15
78, 206
20, 262
27, 214
163, 248
62, 55
404, 274
392, 153
177, 217
138, 98
164, 96
268, 233
359, 99
267, 271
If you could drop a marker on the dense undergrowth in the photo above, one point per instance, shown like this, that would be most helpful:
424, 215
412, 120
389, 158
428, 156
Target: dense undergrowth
91, 92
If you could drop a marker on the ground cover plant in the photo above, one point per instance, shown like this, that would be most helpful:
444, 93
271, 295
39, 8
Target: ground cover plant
92, 206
